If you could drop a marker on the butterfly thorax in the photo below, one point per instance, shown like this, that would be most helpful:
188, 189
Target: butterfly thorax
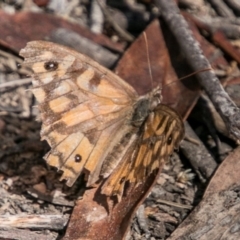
144, 106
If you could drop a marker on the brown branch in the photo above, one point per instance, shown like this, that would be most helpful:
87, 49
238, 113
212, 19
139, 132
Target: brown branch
208, 80
220, 39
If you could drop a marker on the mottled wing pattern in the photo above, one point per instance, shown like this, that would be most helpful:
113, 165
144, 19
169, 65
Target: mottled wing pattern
84, 108
95, 122
161, 132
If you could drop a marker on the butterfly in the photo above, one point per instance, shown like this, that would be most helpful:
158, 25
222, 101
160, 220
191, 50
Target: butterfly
96, 123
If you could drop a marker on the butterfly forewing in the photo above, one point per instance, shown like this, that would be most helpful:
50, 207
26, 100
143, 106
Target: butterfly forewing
77, 98
95, 122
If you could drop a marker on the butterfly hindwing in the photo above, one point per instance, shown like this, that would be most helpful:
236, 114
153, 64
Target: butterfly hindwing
147, 151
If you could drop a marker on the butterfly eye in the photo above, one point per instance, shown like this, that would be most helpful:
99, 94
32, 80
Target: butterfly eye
50, 66
78, 158
169, 141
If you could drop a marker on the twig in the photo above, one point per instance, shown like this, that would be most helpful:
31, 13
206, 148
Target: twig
84, 45
192, 140
192, 4
124, 34
142, 221
97, 17
230, 27
223, 42
25, 100
54, 222
54, 199
212, 119
11, 56
221, 8
135, 6
199, 157
219, 29
234, 4
16, 83
208, 80
179, 205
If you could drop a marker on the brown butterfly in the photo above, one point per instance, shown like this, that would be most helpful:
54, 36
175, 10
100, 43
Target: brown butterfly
95, 122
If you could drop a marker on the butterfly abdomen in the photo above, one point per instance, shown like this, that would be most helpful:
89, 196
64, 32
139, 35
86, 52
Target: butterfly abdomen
120, 151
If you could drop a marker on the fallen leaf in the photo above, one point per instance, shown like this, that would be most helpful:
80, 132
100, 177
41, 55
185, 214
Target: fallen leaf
20, 28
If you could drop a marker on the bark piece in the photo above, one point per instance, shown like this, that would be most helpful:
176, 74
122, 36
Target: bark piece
53, 222
22, 234
217, 215
27, 24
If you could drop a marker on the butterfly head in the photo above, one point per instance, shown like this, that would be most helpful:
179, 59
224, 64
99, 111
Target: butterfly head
145, 105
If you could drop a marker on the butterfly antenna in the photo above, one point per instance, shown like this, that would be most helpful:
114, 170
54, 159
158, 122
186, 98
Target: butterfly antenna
189, 75
148, 58
194, 73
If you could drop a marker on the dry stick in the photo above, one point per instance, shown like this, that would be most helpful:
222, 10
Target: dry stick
192, 4
134, 6
142, 221
230, 27
202, 162
194, 55
16, 83
124, 34
174, 204
221, 8
57, 198
96, 16
50, 222
234, 4
84, 45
